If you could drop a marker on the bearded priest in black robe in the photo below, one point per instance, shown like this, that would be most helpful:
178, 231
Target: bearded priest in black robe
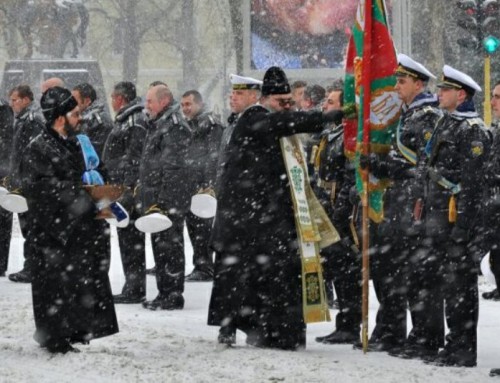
72, 298
257, 286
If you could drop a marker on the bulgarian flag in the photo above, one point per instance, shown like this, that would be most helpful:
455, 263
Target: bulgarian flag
369, 83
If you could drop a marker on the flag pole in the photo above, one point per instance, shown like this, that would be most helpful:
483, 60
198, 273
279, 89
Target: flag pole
366, 86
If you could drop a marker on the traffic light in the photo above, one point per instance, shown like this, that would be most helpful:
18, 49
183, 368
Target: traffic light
481, 19
491, 44
470, 19
491, 21
490, 7
491, 25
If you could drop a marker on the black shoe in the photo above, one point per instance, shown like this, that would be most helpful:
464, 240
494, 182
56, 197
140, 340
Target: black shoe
128, 299
2, 273
256, 339
495, 372
199, 276
21, 276
227, 335
376, 346
414, 351
339, 337
492, 295
454, 359
151, 271
175, 301
61, 348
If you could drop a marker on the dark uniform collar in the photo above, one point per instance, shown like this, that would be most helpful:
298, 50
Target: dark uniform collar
23, 114
131, 108
424, 98
465, 110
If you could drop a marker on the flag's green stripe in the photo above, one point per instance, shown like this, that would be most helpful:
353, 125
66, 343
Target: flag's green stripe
382, 136
358, 41
377, 200
349, 90
378, 12
383, 82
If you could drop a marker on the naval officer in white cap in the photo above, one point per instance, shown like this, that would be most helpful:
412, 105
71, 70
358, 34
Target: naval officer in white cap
457, 151
402, 255
245, 92
456, 88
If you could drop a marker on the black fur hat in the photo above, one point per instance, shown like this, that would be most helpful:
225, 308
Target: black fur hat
56, 102
275, 82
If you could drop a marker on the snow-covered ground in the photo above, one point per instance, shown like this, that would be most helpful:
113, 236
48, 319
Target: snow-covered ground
178, 346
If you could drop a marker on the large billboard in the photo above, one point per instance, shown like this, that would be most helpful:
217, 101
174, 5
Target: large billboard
300, 34
307, 38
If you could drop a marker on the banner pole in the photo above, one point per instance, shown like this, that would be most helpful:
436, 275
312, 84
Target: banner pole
365, 79
487, 90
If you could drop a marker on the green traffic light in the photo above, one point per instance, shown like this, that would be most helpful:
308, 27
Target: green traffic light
491, 44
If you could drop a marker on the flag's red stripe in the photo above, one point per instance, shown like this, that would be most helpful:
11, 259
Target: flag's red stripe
366, 74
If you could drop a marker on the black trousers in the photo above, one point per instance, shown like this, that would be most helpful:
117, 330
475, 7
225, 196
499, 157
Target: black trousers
425, 294
133, 255
199, 230
5, 236
460, 278
324, 197
343, 266
387, 264
168, 252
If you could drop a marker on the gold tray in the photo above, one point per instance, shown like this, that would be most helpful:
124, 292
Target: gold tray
105, 192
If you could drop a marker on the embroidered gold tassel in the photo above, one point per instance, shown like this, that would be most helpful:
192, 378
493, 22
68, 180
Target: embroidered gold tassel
452, 210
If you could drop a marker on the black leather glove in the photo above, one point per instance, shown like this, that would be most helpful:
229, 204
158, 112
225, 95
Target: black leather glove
334, 116
459, 235
349, 244
375, 163
364, 161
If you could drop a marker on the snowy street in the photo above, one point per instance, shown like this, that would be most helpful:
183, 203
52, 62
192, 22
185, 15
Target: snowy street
178, 346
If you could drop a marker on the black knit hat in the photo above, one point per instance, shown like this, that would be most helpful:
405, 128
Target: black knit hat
275, 82
56, 102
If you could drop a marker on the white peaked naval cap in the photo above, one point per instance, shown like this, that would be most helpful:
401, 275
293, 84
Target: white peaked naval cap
453, 78
203, 205
240, 82
409, 67
153, 223
14, 203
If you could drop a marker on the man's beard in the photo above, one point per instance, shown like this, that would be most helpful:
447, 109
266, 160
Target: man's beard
71, 130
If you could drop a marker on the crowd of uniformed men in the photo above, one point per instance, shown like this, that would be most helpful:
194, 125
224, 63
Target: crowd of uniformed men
441, 210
